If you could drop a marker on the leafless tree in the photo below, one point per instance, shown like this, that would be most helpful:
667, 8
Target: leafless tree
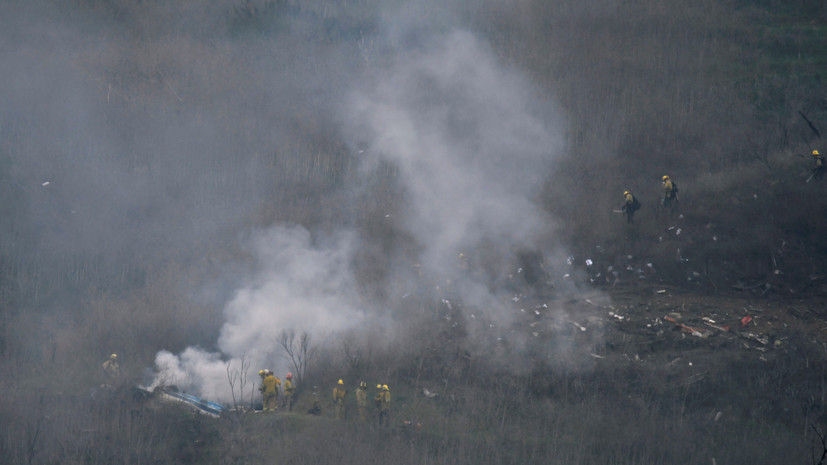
298, 351
237, 378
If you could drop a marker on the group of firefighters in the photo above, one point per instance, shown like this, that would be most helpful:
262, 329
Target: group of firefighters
668, 201
270, 389
670, 190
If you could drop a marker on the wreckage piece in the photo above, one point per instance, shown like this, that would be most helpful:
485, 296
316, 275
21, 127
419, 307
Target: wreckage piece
200, 405
686, 328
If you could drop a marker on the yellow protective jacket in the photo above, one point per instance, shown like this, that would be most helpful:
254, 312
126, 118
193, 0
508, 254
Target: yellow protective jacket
338, 394
668, 189
386, 400
268, 385
289, 388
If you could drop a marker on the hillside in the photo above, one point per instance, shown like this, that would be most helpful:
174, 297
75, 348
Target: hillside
420, 194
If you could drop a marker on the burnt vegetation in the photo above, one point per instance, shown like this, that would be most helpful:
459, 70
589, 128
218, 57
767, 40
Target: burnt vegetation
140, 140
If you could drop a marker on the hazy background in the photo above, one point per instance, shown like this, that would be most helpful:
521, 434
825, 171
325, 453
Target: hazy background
182, 181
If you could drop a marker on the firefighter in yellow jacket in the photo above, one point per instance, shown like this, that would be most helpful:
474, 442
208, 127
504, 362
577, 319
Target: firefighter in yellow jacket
385, 405
377, 399
112, 370
670, 193
289, 391
269, 391
339, 394
362, 401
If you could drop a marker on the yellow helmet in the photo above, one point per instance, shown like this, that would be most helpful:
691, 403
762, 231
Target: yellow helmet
665, 177
625, 192
384, 387
261, 372
113, 356
378, 386
815, 153
341, 382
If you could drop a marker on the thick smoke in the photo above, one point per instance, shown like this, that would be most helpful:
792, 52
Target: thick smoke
473, 141
299, 286
472, 146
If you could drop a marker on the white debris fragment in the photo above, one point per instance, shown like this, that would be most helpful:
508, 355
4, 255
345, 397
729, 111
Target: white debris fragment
473, 316
615, 315
589, 262
714, 238
536, 312
544, 306
447, 304
650, 265
597, 356
570, 260
776, 272
566, 276
578, 326
588, 301
406, 295
678, 232
45, 183
680, 216
628, 257
661, 291
515, 299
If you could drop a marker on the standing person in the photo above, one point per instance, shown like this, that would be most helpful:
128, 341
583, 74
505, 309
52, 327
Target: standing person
339, 394
670, 193
362, 401
289, 390
278, 391
316, 408
385, 406
268, 392
111, 370
630, 206
818, 169
377, 401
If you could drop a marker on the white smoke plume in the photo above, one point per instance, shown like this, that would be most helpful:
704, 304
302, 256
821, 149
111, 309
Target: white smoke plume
473, 141
299, 285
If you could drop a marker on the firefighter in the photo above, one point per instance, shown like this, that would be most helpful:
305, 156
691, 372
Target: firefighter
339, 394
630, 206
316, 408
385, 405
278, 390
269, 392
670, 193
362, 401
818, 169
289, 390
111, 370
377, 401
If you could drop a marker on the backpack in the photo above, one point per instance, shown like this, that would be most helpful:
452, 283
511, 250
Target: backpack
635, 204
